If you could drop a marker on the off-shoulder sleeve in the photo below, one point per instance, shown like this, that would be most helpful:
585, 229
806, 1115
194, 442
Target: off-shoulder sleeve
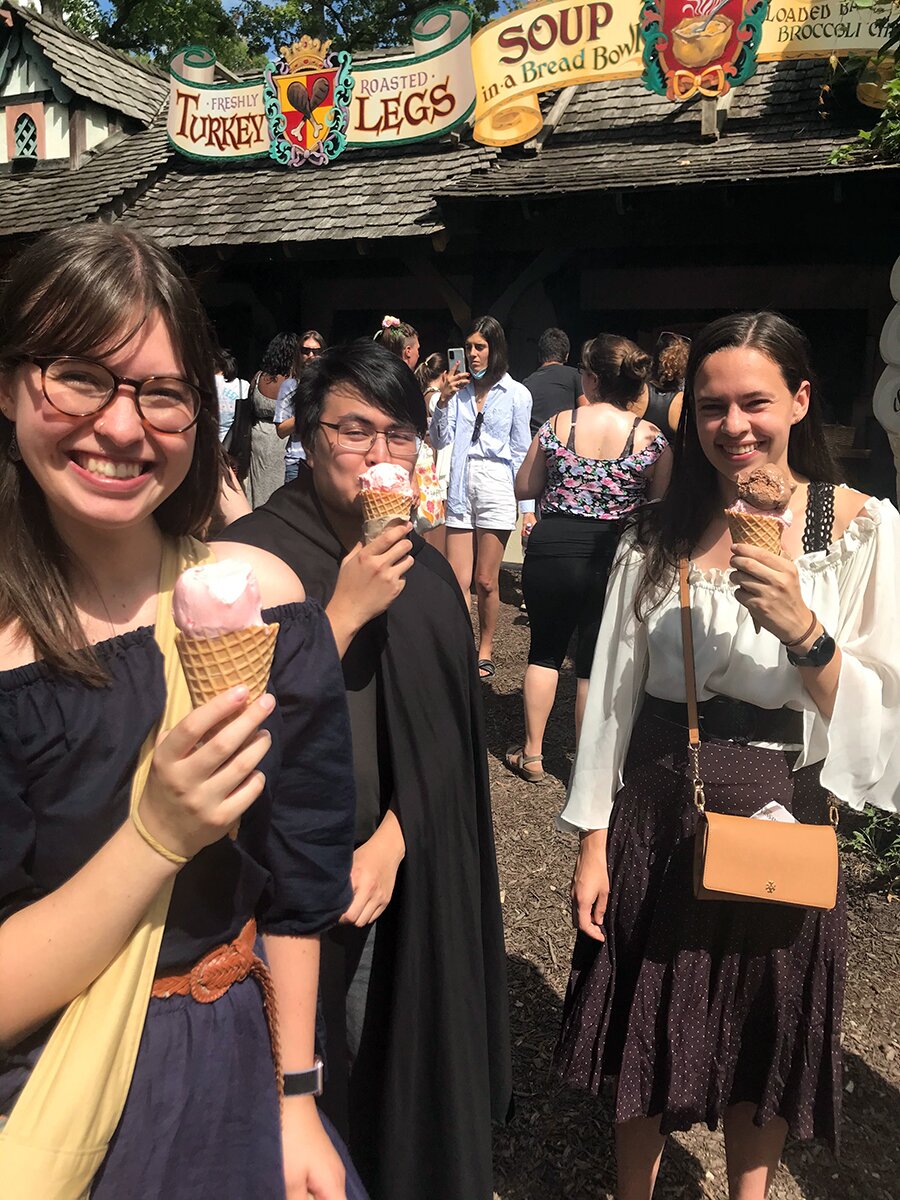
614, 695
310, 843
862, 738
17, 887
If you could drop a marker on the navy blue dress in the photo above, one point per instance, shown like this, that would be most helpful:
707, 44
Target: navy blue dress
202, 1111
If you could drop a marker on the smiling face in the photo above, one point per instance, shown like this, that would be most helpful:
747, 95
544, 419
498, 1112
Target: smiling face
478, 352
745, 410
108, 470
336, 470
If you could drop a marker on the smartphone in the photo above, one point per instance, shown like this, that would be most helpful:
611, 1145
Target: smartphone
456, 359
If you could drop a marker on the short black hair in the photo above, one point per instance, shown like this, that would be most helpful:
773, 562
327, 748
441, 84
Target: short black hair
380, 377
553, 346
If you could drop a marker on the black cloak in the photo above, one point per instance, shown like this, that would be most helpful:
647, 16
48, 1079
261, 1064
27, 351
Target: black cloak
435, 1067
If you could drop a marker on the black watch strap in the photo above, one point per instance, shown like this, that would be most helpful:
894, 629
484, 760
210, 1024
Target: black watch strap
305, 1083
820, 653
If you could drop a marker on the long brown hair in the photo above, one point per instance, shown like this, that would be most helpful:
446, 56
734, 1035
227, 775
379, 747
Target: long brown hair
673, 527
621, 368
71, 292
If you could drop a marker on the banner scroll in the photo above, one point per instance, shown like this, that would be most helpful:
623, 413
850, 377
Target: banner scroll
214, 120
419, 96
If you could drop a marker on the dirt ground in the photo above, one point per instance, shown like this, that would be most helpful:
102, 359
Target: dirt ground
559, 1145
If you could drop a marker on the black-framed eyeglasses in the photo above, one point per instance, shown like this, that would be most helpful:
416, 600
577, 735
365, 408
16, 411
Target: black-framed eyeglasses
310, 351
354, 435
476, 429
81, 387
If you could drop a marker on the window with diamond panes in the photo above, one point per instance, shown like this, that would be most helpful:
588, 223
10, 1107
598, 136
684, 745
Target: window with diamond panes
26, 138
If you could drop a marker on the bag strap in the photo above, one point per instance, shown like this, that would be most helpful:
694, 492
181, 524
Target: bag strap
690, 682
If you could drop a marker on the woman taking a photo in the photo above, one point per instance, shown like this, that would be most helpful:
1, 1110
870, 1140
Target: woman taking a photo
590, 467
485, 415
707, 1010
124, 902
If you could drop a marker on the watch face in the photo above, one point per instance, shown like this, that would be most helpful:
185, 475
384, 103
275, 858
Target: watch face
820, 653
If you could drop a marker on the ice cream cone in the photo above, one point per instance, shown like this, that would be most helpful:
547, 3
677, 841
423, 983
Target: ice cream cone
212, 665
756, 529
382, 508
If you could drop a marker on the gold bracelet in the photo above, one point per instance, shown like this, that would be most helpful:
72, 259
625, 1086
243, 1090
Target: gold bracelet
800, 640
169, 855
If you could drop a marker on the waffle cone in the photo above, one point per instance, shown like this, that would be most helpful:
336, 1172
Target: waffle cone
381, 509
760, 531
213, 665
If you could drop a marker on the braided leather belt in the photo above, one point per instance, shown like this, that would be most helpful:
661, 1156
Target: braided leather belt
723, 719
213, 974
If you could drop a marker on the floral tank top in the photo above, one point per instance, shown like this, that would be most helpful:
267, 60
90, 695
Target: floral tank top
602, 488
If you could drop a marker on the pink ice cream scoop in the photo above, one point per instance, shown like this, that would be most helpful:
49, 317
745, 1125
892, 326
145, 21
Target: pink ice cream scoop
216, 598
387, 477
783, 516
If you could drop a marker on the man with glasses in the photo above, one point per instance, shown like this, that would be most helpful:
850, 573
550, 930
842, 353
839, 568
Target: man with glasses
413, 981
309, 347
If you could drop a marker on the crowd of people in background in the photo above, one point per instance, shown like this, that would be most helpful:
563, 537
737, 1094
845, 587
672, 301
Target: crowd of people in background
255, 947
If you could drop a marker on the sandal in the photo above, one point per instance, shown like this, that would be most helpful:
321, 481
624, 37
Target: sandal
486, 668
517, 761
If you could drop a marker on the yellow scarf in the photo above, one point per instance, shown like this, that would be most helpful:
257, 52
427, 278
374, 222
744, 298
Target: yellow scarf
58, 1133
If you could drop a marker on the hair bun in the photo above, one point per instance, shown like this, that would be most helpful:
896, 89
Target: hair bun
636, 365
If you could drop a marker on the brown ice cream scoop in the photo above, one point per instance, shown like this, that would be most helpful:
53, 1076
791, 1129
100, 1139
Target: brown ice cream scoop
766, 488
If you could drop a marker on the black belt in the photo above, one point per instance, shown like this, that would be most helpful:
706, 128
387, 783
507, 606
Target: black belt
723, 719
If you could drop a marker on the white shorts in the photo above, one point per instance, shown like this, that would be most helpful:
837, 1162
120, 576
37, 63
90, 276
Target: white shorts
490, 499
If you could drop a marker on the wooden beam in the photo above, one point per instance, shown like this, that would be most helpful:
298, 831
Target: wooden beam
424, 269
539, 268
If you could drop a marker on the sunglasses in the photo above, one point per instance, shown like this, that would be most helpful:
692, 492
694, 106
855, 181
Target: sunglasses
310, 351
476, 431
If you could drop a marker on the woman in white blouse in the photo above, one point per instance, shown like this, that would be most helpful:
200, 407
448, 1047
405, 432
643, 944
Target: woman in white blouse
706, 1011
485, 416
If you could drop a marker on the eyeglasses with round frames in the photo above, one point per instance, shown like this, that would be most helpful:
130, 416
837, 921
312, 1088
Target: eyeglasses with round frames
81, 387
351, 435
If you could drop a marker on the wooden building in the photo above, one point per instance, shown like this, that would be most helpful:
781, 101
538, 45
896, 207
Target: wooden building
628, 213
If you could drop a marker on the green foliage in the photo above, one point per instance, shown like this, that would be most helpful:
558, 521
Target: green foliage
878, 841
244, 36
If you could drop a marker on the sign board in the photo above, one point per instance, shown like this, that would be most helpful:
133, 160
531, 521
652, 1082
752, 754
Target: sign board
311, 104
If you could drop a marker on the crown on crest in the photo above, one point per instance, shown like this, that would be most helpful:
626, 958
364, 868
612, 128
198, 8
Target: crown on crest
305, 55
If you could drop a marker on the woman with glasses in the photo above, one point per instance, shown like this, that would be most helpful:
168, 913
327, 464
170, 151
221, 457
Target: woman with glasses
485, 415
146, 847
310, 346
414, 986
590, 468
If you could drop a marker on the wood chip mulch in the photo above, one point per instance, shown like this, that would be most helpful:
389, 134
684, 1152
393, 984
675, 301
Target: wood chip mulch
559, 1145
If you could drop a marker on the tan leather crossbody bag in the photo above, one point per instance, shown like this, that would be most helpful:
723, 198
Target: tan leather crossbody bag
738, 858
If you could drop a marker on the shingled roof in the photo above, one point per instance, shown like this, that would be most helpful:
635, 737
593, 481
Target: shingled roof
363, 194
615, 135
48, 199
97, 72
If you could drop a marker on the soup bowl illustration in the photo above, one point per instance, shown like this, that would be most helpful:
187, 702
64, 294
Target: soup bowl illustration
694, 46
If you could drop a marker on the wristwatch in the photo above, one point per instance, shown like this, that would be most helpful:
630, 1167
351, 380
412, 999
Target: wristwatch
306, 1083
820, 653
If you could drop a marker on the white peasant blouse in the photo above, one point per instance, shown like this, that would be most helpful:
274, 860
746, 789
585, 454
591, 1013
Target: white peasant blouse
854, 589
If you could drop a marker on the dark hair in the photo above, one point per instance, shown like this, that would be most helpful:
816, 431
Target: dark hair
311, 335
395, 337
673, 528
430, 369
553, 346
381, 378
621, 367
226, 364
81, 290
670, 361
492, 332
279, 356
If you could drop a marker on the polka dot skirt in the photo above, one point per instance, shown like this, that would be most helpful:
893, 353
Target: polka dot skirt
695, 1004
